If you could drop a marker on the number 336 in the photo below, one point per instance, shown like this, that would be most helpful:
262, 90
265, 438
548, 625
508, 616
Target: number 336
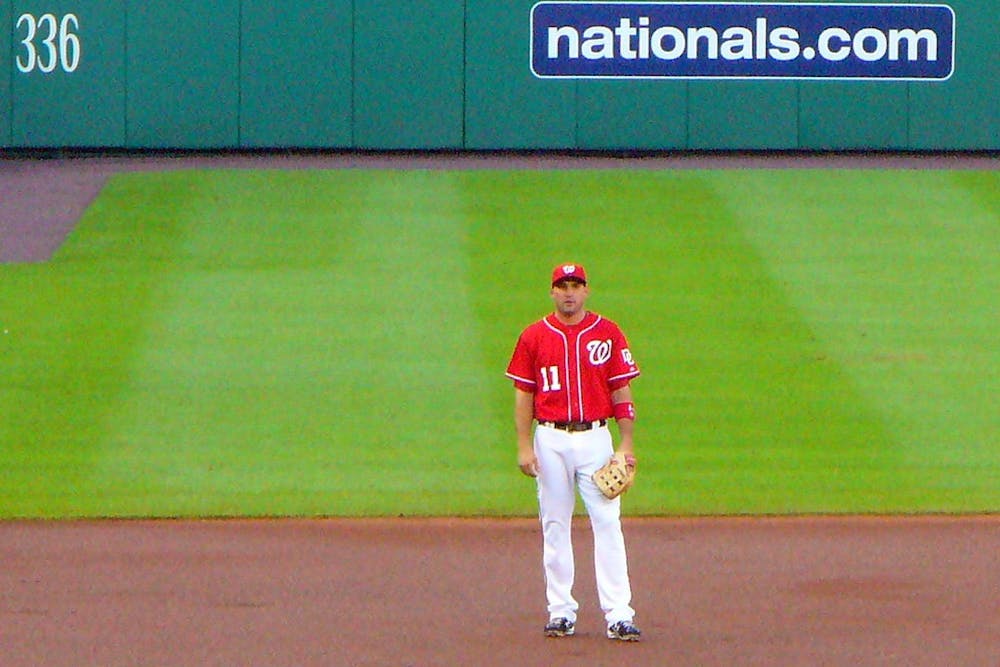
59, 45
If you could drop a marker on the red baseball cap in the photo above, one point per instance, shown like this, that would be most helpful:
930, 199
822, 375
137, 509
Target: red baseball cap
567, 272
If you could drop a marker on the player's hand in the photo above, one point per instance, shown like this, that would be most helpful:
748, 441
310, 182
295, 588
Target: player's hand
528, 463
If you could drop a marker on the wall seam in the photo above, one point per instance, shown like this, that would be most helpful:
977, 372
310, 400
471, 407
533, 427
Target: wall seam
10, 78
354, 77
798, 115
687, 115
463, 143
909, 114
125, 72
239, 75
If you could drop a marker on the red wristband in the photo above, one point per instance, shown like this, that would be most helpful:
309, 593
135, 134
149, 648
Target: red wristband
625, 411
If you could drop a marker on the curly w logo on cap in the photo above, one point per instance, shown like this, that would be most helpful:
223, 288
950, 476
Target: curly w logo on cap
569, 272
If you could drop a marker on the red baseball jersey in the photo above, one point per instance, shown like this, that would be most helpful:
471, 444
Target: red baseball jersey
572, 369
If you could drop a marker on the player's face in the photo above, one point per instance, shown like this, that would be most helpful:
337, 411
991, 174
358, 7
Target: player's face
569, 297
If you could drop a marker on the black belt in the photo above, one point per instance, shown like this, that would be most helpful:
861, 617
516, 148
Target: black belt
574, 427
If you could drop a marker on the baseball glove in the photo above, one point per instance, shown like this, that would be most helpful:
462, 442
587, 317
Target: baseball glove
615, 477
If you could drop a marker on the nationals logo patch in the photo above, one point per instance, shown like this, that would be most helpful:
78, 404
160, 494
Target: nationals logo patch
600, 351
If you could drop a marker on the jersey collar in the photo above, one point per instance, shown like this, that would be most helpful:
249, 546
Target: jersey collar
588, 319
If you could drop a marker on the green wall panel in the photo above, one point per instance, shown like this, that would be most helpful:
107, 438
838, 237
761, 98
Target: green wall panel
506, 106
74, 93
408, 73
6, 72
183, 73
964, 111
854, 114
742, 115
295, 74
427, 74
638, 115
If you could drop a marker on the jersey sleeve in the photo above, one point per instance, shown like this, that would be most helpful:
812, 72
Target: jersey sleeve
521, 368
623, 367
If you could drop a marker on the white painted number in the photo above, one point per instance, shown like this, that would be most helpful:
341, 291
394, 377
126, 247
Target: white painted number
29, 46
49, 43
550, 379
69, 43
46, 65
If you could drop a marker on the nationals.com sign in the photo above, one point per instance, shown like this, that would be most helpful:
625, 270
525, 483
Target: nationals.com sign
699, 40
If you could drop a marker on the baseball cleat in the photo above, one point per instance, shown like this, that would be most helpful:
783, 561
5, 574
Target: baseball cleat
560, 627
624, 631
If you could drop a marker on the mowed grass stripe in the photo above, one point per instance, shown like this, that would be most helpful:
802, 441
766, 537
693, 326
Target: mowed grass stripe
741, 409
74, 323
217, 402
897, 273
314, 329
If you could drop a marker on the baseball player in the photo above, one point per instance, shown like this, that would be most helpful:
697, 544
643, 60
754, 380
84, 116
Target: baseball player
571, 373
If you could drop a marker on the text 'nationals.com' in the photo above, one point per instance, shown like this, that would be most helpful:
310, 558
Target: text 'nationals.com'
744, 41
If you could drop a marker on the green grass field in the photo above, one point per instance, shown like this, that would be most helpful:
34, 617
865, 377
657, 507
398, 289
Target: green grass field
333, 342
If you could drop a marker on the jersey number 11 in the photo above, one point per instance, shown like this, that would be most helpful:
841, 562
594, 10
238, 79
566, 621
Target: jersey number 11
550, 379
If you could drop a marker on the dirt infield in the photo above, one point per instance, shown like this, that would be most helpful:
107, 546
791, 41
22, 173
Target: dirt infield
908, 591
790, 591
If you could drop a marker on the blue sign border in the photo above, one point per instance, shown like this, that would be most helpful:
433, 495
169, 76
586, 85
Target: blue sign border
606, 70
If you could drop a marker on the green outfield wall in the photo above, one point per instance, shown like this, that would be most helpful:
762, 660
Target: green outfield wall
430, 74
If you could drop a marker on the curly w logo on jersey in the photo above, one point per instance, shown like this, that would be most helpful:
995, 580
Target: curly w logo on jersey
600, 351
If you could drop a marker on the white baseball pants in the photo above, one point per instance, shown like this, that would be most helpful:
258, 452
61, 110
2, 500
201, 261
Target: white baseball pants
566, 462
